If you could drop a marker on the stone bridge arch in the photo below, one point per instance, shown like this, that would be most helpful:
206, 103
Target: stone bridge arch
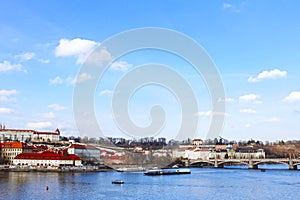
224, 162
199, 162
270, 162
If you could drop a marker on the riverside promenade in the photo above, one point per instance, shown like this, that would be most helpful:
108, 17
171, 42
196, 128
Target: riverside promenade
8, 168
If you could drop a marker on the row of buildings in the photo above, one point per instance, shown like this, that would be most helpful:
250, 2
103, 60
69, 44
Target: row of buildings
23, 146
30, 147
20, 153
198, 150
24, 135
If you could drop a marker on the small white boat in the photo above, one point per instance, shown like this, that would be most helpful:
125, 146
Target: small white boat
167, 171
117, 182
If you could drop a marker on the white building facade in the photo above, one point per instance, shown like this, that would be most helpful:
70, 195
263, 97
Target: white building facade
47, 159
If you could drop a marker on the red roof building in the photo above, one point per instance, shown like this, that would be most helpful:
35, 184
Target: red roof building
48, 158
9, 150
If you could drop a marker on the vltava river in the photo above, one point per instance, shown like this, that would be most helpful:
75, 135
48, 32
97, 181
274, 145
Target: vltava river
202, 183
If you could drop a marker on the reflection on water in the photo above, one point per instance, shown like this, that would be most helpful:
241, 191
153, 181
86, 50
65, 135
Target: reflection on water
203, 183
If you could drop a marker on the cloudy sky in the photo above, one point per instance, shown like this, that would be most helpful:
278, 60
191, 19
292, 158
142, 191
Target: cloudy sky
254, 44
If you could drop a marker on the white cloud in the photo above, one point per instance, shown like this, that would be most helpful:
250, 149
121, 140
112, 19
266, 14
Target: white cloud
250, 98
44, 61
227, 5
83, 77
122, 66
7, 66
49, 115
5, 95
248, 125
7, 92
79, 48
6, 111
71, 80
272, 74
292, 97
226, 100
25, 56
98, 57
209, 113
39, 125
57, 107
103, 92
247, 110
57, 80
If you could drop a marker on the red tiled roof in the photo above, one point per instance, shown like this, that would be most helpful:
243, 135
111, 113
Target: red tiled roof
47, 133
201, 150
14, 145
56, 132
38, 148
17, 130
197, 140
47, 155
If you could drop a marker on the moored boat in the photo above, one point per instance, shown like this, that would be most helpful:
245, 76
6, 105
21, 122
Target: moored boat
167, 171
171, 171
117, 182
131, 169
153, 172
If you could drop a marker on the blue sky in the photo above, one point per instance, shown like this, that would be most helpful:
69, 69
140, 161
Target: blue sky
254, 44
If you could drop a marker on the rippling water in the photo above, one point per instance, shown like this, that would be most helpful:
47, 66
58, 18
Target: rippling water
203, 183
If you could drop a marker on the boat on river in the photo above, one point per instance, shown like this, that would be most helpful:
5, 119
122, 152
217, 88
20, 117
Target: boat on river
117, 182
167, 171
131, 169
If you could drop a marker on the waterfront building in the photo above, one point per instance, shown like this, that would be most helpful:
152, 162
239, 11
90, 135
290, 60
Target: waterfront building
24, 135
9, 150
48, 158
89, 154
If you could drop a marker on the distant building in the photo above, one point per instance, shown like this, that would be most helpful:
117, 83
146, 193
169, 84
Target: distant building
197, 153
48, 158
24, 135
197, 142
9, 150
47, 136
110, 156
138, 149
16, 135
87, 153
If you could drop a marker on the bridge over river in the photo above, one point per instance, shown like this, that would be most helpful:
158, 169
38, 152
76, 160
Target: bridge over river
252, 163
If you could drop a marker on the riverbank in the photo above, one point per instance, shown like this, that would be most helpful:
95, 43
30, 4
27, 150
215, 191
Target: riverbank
55, 170
49, 169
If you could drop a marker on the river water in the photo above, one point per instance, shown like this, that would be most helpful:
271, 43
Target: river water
202, 183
